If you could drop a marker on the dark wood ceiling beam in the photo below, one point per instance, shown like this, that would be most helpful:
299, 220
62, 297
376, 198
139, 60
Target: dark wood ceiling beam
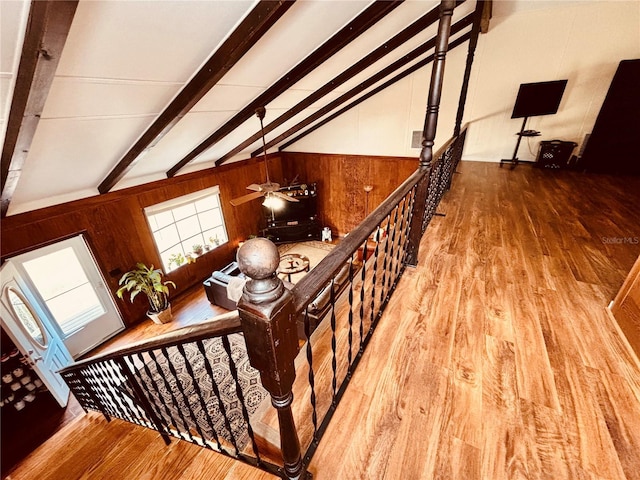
388, 70
47, 30
487, 12
409, 32
370, 16
459, 41
263, 16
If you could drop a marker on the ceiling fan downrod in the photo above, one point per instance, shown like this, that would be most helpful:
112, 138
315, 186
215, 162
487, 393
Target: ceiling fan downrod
260, 113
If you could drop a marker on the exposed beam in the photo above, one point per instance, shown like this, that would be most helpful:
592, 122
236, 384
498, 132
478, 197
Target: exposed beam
387, 47
375, 12
263, 16
487, 12
47, 30
388, 70
388, 83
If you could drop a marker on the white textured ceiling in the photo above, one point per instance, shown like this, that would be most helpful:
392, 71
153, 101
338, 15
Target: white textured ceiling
124, 61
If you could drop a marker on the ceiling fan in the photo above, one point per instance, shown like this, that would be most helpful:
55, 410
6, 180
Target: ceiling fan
269, 189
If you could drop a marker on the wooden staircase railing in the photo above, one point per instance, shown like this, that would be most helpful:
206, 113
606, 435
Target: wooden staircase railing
196, 383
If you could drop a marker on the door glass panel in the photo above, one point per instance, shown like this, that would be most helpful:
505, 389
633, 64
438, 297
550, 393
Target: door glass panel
65, 289
24, 313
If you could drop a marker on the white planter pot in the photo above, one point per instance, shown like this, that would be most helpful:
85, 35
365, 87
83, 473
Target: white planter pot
164, 316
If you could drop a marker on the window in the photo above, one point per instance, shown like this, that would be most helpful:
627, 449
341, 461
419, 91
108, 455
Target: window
186, 227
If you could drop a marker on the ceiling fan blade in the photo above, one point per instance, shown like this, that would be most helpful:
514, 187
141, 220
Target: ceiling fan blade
285, 197
255, 187
245, 198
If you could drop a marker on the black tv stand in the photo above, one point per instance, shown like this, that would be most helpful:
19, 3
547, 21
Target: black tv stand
522, 133
294, 221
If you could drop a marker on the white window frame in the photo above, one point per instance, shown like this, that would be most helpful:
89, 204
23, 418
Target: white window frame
167, 226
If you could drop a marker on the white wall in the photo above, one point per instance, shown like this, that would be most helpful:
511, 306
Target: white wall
527, 42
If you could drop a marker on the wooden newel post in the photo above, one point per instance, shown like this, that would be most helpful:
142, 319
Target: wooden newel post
268, 323
429, 130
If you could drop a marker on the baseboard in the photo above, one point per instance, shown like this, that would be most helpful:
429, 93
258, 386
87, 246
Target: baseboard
630, 349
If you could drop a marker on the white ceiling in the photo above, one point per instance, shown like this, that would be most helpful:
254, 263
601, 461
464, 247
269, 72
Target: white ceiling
124, 61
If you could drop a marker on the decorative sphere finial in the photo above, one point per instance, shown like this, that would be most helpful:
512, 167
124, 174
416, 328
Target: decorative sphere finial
258, 258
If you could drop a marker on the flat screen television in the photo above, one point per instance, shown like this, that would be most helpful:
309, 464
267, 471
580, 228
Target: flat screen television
542, 98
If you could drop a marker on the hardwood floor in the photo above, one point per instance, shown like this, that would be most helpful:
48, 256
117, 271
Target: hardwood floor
495, 359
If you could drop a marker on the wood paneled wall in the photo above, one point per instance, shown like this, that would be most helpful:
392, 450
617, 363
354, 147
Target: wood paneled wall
117, 231
341, 180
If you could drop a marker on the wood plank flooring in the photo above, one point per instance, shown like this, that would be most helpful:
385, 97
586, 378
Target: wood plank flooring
496, 358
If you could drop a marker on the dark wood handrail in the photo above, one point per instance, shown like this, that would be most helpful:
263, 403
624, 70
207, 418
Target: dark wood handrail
309, 286
224, 324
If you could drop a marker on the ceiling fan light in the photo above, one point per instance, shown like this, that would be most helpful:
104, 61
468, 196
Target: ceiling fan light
273, 202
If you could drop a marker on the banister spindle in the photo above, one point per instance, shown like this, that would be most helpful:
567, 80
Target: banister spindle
266, 313
430, 124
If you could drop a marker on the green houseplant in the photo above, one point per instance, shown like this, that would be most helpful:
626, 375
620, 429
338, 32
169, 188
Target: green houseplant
148, 281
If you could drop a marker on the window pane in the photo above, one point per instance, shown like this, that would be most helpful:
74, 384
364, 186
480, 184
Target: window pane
207, 221
216, 232
75, 308
163, 219
166, 238
44, 272
173, 258
207, 203
153, 223
190, 242
184, 211
188, 227
183, 227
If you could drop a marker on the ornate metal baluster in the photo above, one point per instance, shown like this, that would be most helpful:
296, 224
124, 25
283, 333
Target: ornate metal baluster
363, 278
185, 434
133, 404
181, 388
334, 363
388, 258
94, 379
196, 387
401, 239
376, 252
112, 393
166, 415
245, 414
350, 336
216, 392
312, 381
127, 368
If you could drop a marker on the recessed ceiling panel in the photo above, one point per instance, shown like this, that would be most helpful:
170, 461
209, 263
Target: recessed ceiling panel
303, 28
225, 97
59, 163
163, 41
72, 97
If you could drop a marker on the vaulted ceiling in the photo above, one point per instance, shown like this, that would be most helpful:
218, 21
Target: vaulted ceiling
120, 93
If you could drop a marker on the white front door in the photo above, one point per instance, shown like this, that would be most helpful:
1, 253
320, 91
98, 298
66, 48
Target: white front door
33, 333
65, 282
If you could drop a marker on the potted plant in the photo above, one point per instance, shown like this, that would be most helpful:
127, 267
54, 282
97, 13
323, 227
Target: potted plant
177, 259
148, 281
197, 249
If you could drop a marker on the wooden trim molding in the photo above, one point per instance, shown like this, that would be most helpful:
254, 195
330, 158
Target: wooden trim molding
47, 30
625, 308
251, 29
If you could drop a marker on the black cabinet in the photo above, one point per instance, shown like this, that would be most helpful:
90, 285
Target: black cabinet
294, 221
613, 144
